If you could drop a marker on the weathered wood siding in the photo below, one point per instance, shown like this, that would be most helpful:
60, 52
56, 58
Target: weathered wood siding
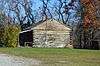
51, 34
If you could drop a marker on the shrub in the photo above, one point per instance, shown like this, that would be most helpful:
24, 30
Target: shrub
11, 36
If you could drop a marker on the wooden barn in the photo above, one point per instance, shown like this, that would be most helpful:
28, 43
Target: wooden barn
49, 33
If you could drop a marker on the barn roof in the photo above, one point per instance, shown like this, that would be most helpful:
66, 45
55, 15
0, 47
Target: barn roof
51, 24
25, 31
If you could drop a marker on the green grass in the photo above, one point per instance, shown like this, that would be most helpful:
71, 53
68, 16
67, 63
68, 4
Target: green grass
58, 56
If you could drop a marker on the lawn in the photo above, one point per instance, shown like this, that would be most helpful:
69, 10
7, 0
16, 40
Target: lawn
58, 56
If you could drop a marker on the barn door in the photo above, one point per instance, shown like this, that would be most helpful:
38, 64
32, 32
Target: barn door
26, 38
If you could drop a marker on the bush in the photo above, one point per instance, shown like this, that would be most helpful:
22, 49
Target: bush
11, 36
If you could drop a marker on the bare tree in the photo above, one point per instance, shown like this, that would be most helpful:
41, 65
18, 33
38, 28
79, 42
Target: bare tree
63, 9
45, 10
21, 11
27, 5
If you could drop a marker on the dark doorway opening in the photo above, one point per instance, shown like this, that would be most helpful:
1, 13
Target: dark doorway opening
26, 38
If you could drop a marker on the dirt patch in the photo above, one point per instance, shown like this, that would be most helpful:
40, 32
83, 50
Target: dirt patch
7, 60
